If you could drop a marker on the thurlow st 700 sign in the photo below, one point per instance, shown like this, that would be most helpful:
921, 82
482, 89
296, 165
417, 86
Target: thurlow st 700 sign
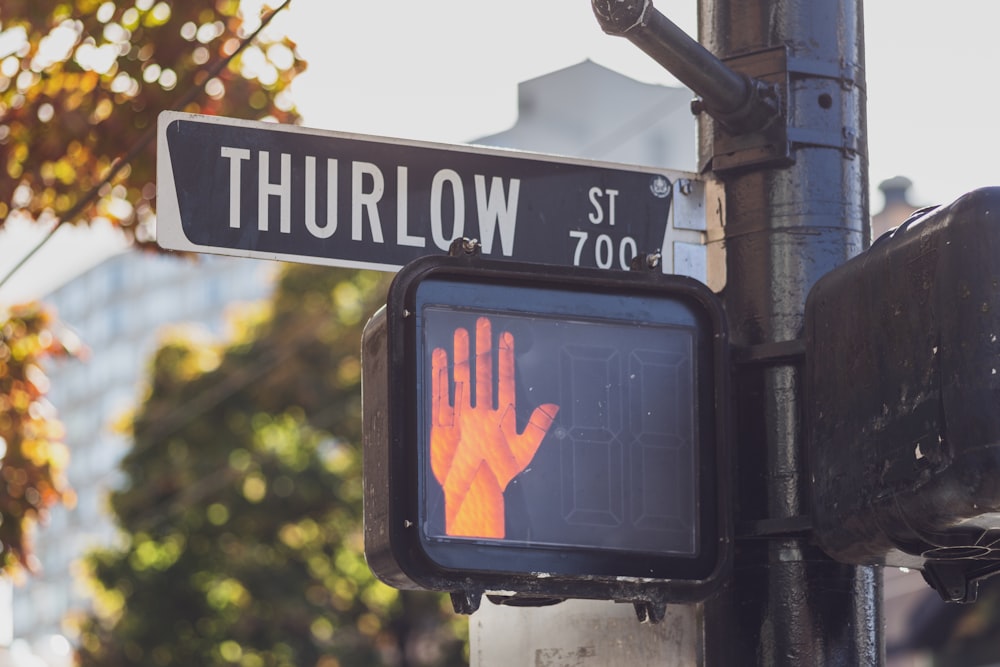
284, 192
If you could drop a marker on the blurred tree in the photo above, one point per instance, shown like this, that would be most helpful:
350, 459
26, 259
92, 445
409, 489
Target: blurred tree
81, 84
32, 456
81, 81
241, 511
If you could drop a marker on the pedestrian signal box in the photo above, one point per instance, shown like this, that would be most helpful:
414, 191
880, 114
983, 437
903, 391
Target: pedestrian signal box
903, 398
541, 432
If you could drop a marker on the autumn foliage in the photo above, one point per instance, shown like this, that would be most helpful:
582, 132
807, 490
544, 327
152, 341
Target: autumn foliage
81, 85
32, 456
82, 82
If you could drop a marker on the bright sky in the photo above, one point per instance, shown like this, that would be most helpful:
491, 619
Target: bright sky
447, 70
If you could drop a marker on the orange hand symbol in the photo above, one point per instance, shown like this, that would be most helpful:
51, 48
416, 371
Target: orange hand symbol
476, 451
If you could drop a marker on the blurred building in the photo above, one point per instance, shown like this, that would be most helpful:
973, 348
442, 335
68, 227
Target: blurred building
117, 308
897, 207
592, 112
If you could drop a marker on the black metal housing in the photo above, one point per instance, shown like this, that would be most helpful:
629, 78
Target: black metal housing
405, 554
903, 398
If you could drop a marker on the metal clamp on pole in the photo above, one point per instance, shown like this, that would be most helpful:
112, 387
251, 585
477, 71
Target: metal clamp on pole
742, 104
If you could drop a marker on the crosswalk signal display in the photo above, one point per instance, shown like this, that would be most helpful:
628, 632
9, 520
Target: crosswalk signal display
540, 432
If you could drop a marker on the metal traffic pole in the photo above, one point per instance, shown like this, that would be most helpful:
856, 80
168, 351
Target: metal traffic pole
792, 216
783, 126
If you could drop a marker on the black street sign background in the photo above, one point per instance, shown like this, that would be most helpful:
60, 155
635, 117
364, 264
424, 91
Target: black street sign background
283, 192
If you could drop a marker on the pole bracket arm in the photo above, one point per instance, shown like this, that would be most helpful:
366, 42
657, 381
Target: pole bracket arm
734, 99
780, 353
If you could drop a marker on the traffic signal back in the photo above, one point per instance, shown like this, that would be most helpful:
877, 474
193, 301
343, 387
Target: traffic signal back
903, 398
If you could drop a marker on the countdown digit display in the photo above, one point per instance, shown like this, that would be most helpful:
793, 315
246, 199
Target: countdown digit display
545, 429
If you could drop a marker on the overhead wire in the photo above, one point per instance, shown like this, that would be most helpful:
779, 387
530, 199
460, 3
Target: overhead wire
148, 136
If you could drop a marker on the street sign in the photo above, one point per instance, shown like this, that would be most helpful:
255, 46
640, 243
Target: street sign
546, 431
284, 192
